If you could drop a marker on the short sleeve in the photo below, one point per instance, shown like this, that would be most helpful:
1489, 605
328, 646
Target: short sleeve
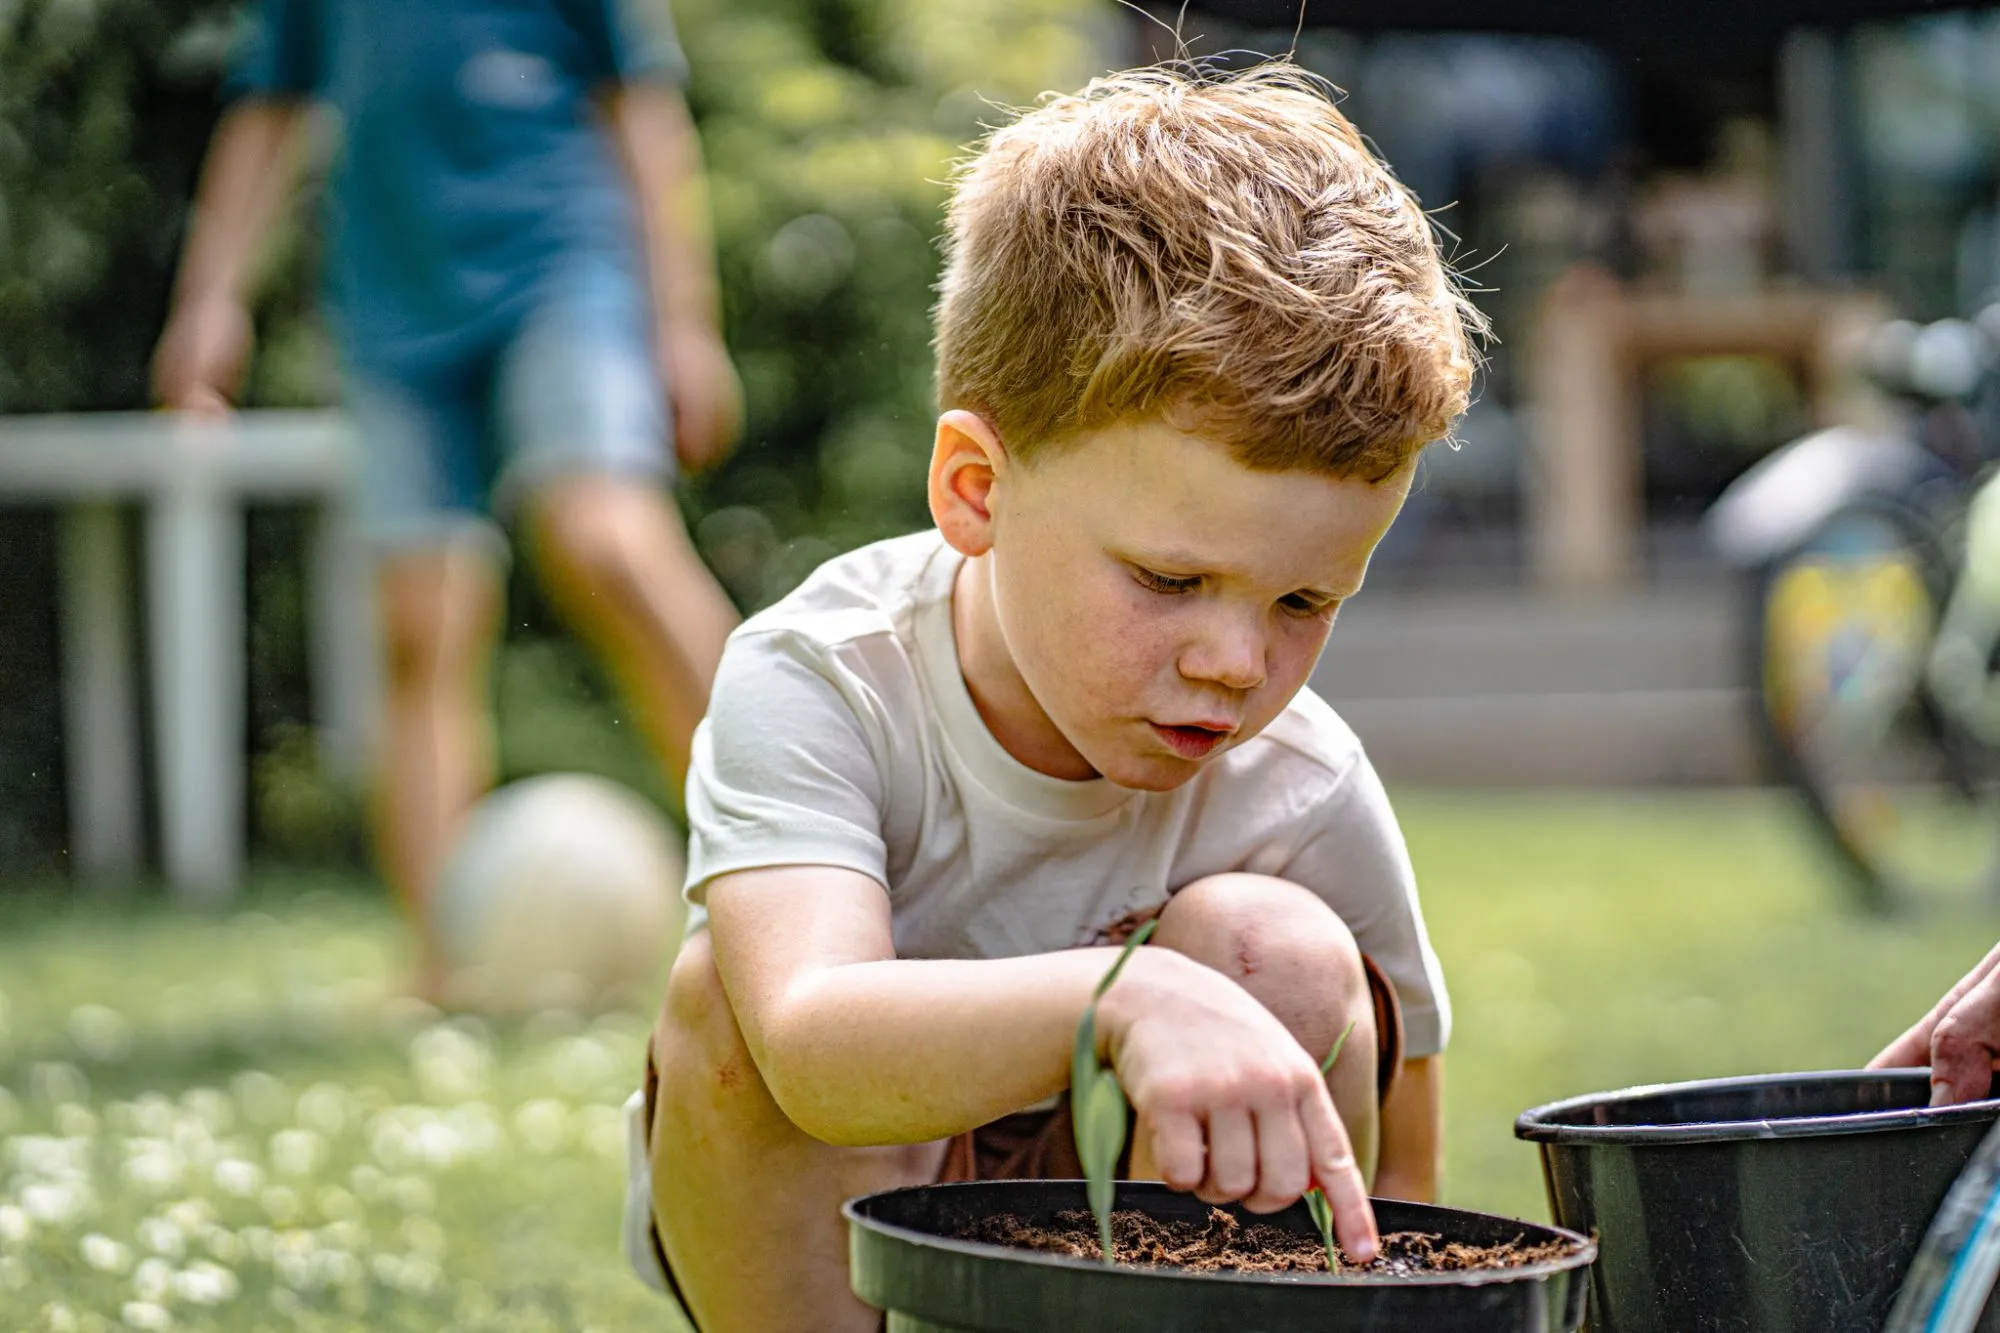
783, 772
277, 52
633, 41
1355, 858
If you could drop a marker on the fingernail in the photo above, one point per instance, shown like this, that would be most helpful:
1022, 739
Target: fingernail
1942, 1093
1364, 1253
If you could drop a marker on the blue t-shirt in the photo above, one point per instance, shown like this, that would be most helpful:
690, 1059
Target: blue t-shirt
471, 169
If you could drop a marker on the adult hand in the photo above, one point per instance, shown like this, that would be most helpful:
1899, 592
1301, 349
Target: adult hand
199, 362
1959, 1039
1237, 1108
706, 396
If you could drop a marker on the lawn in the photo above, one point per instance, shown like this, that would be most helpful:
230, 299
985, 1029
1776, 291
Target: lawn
232, 1122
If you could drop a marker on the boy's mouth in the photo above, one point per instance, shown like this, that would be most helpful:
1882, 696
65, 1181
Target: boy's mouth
1192, 740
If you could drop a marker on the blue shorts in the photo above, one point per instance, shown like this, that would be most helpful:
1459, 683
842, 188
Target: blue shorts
574, 391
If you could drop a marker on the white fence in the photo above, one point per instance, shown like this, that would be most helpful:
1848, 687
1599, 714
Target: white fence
191, 480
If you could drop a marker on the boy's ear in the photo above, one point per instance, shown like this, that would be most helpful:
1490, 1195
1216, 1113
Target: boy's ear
966, 461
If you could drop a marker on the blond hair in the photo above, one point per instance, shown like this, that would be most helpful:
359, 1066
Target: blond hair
1217, 250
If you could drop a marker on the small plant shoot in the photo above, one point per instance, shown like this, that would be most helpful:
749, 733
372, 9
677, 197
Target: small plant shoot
1316, 1204
1097, 1105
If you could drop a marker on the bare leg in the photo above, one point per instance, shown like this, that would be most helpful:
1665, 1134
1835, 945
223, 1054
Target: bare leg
616, 559
1285, 946
748, 1204
440, 611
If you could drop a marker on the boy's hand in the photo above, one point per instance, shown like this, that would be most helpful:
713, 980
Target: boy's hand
703, 390
1237, 1108
200, 359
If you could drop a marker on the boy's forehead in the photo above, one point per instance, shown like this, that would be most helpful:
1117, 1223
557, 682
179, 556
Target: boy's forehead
1187, 504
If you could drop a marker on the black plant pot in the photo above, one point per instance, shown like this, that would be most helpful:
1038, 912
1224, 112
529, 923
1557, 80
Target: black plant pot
905, 1260
1788, 1203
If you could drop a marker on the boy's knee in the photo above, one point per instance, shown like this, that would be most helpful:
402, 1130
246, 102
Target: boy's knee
1280, 942
696, 1042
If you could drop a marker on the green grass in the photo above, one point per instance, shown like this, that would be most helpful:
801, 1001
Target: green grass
245, 1092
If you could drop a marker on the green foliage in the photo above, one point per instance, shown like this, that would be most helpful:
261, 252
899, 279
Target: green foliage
1316, 1204
829, 130
1097, 1106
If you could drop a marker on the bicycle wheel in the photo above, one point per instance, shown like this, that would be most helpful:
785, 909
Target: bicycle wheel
1843, 628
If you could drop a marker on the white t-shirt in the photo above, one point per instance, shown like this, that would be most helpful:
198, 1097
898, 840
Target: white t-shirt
841, 733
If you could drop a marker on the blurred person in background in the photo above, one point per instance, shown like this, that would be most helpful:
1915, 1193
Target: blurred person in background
520, 281
1959, 1038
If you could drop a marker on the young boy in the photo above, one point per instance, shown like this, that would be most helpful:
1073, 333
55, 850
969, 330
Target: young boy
1192, 337
517, 261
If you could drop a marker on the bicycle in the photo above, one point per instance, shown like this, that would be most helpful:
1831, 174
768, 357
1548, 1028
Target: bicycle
1870, 638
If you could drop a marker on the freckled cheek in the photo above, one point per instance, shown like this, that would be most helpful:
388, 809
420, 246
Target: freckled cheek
1290, 659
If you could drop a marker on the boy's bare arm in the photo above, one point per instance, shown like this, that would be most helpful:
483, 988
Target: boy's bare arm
246, 179
656, 141
859, 1047
1411, 1156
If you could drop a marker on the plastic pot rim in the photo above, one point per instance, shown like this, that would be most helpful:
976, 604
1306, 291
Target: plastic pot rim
1542, 1123
1580, 1257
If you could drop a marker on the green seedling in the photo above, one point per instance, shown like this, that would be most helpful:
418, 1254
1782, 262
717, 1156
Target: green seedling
1316, 1204
1097, 1105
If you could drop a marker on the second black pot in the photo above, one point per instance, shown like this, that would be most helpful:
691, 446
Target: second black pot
1786, 1203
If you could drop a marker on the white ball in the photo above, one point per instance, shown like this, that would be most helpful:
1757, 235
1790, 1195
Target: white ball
563, 891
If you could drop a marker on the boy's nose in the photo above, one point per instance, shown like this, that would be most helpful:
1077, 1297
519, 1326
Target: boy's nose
1231, 657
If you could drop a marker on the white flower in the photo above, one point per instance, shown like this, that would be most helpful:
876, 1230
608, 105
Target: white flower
424, 1237
602, 1130
153, 1165
580, 1064
325, 1107
60, 1318
479, 1128
206, 1284
162, 1237
368, 1182
225, 1245
346, 1234
153, 1279
154, 1114
146, 1315
262, 1242
543, 1126
451, 1061
438, 1143
296, 1152
210, 1106
336, 1268
336, 1204
14, 1224
235, 1176
414, 1194
100, 1033
190, 1215
56, 1082
264, 1099
105, 1254
57, 1205
76, 1121
281, 1205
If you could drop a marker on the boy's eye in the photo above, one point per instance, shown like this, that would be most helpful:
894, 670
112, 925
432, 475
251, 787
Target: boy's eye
1305, 604
1164, 582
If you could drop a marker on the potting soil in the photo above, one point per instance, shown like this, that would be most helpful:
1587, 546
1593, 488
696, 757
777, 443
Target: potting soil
1221, 1243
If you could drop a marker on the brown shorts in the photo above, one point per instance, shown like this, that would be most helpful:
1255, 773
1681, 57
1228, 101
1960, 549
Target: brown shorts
1041, 1145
